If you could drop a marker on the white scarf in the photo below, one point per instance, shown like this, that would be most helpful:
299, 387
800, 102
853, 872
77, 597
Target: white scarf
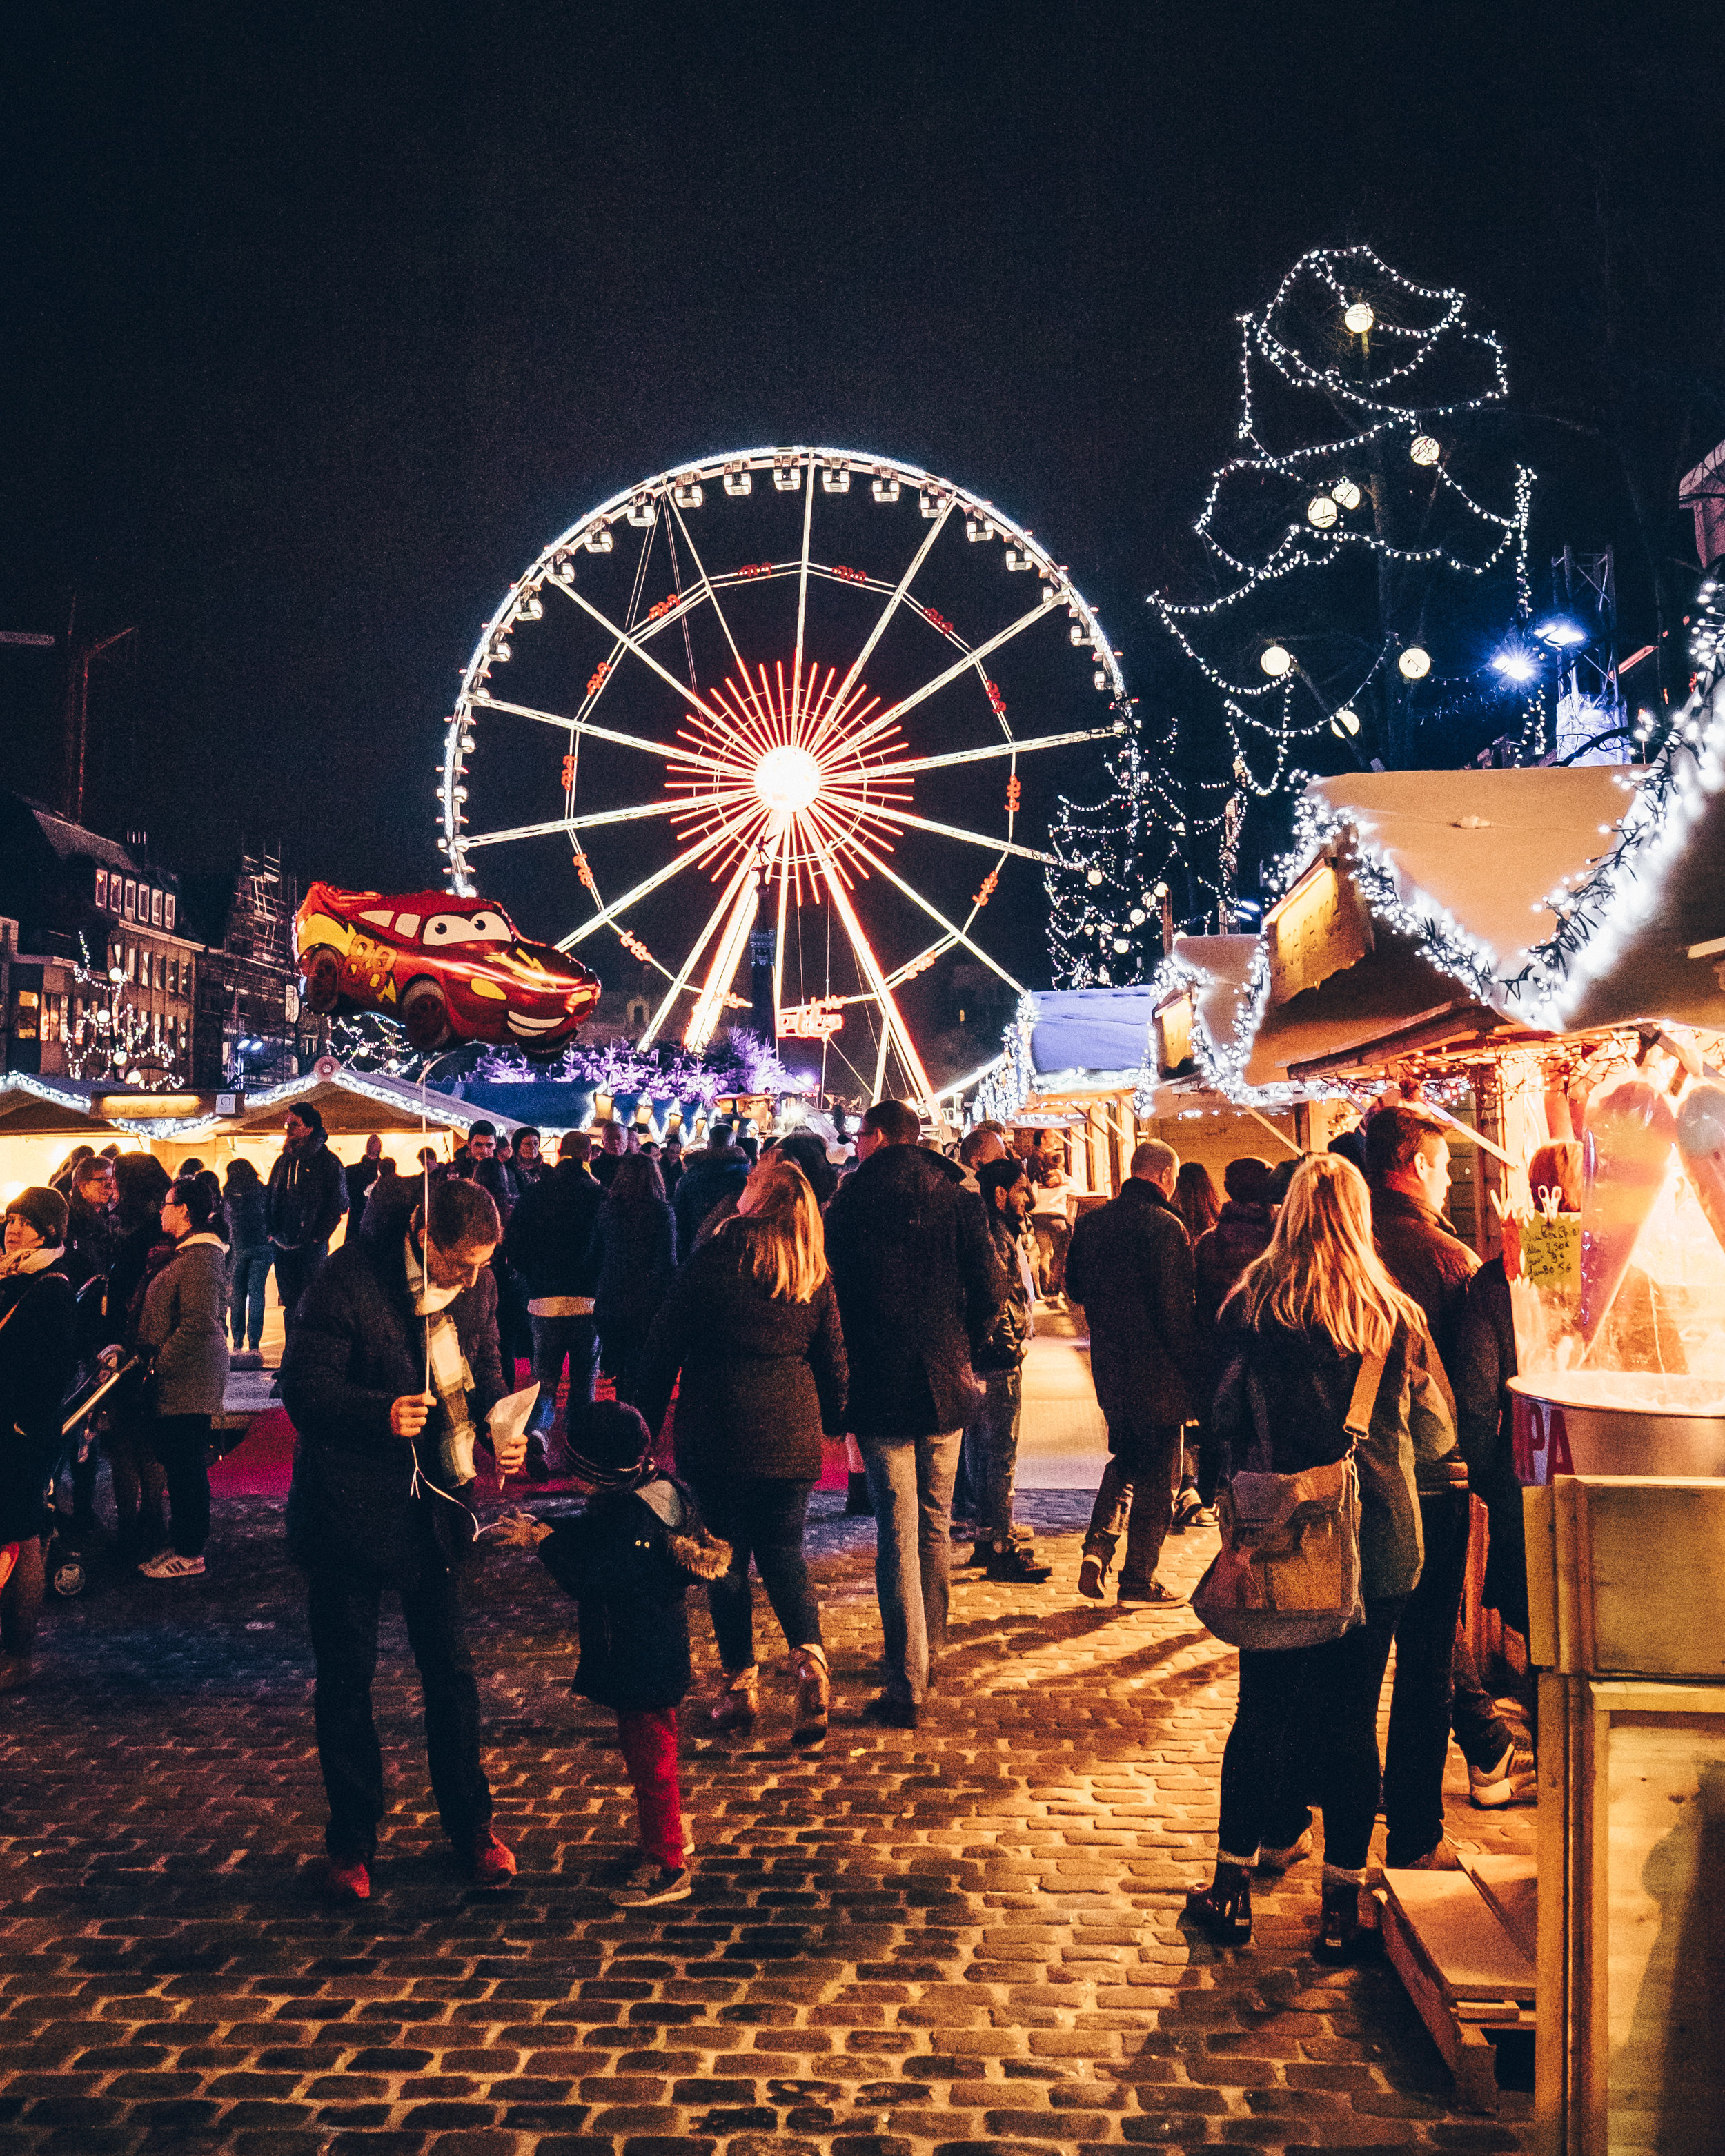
451, 1378
30, 1261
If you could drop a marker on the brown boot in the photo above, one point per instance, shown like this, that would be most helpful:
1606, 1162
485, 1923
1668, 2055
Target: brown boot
814, 1694
739, 1703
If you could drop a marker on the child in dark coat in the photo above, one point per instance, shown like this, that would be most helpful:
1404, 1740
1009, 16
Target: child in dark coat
627, 1560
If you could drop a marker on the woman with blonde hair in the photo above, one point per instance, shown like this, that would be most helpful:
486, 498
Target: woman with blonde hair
1297, 1330
751, 1324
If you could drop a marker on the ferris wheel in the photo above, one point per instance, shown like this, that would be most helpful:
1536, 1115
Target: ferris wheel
692, 695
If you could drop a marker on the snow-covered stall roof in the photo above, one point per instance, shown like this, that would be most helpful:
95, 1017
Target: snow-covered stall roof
1069, 1041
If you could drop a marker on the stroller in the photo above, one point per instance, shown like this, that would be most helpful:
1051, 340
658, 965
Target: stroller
94, 1387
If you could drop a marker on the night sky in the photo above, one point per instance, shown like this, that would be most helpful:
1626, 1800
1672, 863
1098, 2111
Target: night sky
322, 322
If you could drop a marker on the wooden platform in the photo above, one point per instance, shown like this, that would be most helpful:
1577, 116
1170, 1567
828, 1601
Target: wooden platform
1462, 1944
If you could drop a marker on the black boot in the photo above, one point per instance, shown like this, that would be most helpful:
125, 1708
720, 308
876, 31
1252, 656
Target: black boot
1339, 1932
857, 1500
1225, 1906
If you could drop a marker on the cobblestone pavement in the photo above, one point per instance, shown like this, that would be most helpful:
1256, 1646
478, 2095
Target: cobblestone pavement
964, 1937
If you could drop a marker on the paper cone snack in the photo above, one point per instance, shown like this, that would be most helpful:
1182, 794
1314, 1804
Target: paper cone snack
1701, 1141
1626, 1150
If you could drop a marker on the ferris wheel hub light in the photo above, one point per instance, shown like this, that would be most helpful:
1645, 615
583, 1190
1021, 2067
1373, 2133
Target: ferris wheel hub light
788, 779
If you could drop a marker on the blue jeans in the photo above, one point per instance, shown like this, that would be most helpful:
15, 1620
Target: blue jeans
991, 1452
1135, 1497
910, 1486
553, 1338
251, 1276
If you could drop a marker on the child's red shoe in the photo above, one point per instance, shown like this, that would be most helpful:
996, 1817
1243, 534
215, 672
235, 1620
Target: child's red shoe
492, 1864
348, 1880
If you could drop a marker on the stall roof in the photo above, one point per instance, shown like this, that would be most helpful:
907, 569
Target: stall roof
1483, 850
350, 1101
1091, 1039
48, 1107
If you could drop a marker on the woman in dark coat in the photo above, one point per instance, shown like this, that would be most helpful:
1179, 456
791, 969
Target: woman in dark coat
1305, 1317
183, 1327
635, 1257
253, 1252
37, 1352
752, 1325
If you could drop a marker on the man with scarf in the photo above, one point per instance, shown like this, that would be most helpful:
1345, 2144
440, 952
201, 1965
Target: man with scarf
388, 1376
303, 1204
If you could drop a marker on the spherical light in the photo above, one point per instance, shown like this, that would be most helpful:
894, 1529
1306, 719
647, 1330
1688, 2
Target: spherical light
1415, 663
1345, 720
1095, 877
1359, 318
1424, 449
1121, 945
1322, 512
1136, 917
1276, 659
1345, 492
788, 779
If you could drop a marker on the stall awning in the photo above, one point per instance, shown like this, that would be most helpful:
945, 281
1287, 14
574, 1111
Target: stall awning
350, 1101
49, 1107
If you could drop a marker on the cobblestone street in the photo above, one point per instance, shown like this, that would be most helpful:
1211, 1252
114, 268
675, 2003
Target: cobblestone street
964, 1937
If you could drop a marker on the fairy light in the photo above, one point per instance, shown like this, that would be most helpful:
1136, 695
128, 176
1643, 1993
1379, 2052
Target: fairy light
1401, 419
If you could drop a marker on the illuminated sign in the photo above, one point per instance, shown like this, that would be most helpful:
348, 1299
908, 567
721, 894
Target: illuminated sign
818, 1021
1320, 928
165, 1106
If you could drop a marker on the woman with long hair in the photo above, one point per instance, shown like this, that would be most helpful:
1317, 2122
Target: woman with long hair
634, 1259
1301, 1324
1197, 1199
183, 1327
39, 1353
752, 1325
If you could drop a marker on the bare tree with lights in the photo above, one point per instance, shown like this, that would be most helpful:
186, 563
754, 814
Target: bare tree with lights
1359, 539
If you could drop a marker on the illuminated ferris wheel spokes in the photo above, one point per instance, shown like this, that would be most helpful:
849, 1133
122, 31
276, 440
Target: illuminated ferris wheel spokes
785, 778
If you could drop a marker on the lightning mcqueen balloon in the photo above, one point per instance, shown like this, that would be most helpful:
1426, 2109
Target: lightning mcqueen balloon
449, 970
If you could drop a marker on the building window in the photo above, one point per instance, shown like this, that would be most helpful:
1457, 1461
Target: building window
132, 961
131, 897
117, 956
101, 891
168, 912
156, 909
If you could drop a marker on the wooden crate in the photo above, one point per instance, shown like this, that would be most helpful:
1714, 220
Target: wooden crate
1627, 1596
1470, 1977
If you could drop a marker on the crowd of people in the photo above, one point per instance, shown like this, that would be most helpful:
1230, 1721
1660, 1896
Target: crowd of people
780, 1298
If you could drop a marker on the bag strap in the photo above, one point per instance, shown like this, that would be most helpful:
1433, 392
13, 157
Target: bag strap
1357, 1422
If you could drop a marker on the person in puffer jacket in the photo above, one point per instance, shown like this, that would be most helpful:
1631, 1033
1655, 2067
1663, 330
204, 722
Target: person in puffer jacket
628, 1560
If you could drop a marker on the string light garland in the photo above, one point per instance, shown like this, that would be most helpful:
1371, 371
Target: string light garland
1290, 640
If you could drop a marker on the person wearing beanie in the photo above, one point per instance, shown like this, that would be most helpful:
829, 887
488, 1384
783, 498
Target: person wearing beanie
303, 1204
627, 1560
38, 1353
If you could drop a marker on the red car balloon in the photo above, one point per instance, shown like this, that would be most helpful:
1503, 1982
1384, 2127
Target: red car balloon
449, 968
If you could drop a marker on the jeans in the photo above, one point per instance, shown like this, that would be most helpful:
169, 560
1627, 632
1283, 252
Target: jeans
1053, 1234
991, 1453
1480, 1731
763, 1516
182, 1444
622, 1347
910, 1486
344, 1606
1136, 1495
1419, 1704
1306, 1725
553, 1338
294, 1271
648, 1738
251, 1276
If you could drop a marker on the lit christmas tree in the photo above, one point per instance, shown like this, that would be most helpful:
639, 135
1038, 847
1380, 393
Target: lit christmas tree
1371, 530
1117, 858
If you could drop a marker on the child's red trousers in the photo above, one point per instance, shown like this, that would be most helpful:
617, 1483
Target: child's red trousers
648, 1738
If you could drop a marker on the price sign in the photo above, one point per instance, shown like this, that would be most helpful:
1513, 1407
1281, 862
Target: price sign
818, 1021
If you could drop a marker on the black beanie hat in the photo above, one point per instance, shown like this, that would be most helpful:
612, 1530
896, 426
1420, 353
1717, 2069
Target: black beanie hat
46, 1212
609, 1446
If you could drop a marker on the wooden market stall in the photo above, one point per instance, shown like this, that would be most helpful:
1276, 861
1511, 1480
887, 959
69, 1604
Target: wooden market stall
41, 1120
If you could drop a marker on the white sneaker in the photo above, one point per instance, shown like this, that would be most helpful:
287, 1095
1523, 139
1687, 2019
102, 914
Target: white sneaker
171, 1565
1511, 1781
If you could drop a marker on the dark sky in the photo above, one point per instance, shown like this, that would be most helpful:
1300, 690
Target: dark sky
321, 321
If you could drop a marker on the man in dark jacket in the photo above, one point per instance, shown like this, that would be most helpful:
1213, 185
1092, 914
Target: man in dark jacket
708, 1178
1408, 1167
361, 1174
991, 1438
549, 1245
919, 1288
1130, 1267
383, 1474
302, 1205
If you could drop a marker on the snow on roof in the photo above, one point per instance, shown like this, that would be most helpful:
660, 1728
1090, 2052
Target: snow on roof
1482, 851
1099, 1032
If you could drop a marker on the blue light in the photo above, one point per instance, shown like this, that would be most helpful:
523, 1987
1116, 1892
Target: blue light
1515, 663
1563, 632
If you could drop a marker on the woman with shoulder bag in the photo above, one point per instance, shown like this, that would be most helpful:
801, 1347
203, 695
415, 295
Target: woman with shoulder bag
183, 1325
39, 1351
1307, 1319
